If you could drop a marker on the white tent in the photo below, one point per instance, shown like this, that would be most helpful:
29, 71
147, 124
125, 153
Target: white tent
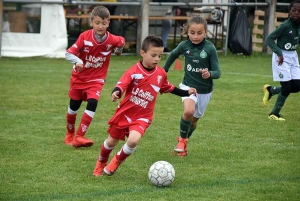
51, 41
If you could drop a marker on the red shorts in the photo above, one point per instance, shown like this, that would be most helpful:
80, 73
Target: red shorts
121, 133
92, 91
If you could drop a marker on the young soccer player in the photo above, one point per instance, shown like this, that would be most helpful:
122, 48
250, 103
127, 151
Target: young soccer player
285, 63
201, 67
90, 55
141, 84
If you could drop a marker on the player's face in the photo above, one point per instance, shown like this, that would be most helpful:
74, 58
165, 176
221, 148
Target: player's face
99, 25
295, 12
196, 33
152, 56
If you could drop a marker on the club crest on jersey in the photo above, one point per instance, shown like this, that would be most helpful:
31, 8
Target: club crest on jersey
203, 54
108, 46
188, 52
86, 49
159, 79
281, 75
287, 46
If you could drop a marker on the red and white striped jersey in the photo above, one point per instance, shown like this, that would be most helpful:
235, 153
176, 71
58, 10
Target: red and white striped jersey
95, 56
141, 88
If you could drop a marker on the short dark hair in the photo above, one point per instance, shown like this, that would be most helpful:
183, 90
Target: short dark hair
151, 41
100, 11
291, 5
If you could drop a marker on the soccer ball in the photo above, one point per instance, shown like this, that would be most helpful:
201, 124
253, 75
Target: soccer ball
161, 173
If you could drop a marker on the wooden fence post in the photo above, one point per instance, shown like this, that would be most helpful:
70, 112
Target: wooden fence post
142, 24
269, 23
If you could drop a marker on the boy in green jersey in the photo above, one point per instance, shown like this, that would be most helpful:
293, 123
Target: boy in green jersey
285, 63
201, 67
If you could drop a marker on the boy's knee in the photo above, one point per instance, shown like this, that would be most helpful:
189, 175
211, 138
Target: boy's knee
92, 104
286, 88
295, 86
75, 104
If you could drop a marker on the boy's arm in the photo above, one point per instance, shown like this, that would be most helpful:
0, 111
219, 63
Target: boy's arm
183, 93
72, 58
270, 40
118, 51
120, 45
116, 94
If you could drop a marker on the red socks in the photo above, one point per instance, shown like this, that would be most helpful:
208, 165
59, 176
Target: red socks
121, 156
104, 154
84, 124
71, 119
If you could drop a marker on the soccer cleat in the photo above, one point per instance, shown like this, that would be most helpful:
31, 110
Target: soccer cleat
111, 168
267, 95
81, 141
183, 154
69, 138
276, 117
182, 143
98, 171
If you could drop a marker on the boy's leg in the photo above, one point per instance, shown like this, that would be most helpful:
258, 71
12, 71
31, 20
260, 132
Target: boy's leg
295, 86
71, 119
284, 73
80, 140
127, 149
274, 115
282, 96
119, 158
104, 156
269, 91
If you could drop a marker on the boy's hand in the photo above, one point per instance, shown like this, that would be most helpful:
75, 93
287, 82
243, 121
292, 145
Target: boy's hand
78, 67
193, 91
118, 51
280, 60
205, 74
115, 96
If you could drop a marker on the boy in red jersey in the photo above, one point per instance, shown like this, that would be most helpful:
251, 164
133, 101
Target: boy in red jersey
141, 85
90, 55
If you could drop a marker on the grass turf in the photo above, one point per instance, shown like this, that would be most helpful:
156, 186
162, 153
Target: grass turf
236, 153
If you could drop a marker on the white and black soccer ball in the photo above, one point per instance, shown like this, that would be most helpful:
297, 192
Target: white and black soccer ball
161, 173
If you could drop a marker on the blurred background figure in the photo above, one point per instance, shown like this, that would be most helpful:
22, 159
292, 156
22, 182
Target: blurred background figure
167, 23
111, 8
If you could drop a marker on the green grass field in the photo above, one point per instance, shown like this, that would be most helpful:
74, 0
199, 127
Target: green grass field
236, 153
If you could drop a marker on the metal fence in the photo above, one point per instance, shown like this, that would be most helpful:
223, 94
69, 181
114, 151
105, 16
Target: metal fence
143, 23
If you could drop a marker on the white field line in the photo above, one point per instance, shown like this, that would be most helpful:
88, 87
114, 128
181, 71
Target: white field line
246, 74
117, 70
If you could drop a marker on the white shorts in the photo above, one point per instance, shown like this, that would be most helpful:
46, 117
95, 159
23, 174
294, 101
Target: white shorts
289, 69
201, 101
